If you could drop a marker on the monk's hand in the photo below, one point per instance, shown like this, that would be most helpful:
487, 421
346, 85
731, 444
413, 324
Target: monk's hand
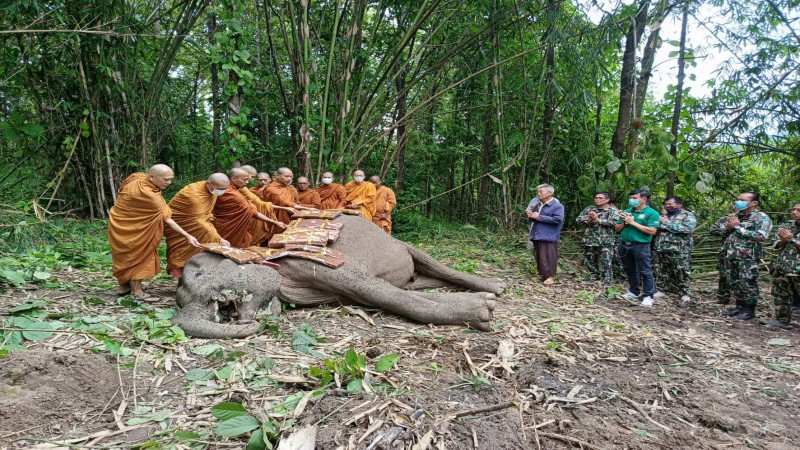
224, 242
383, 216
280, 225
193, 241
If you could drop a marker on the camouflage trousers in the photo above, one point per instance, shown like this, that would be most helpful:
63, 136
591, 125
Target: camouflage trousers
784, 290
740, 279
616, 264
598, 260
724, 284
673, 270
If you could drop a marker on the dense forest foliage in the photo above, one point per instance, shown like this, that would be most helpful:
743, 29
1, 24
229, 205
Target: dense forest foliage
463, 106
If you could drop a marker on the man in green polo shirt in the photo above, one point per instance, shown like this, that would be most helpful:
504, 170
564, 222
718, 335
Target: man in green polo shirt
636, 227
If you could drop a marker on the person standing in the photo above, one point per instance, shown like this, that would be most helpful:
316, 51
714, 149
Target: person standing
674, 245
331, 195
744, 233
305, 195
385, 202
546, 215
786, 271
636, 227
361, 195
599, 237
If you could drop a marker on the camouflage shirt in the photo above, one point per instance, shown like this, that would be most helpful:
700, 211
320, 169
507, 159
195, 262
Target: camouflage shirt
788, 260
747, 240
675, 235
602, 232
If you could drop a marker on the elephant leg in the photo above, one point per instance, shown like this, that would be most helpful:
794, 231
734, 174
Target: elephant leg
425, 265
461, 308
420, 282
196, 323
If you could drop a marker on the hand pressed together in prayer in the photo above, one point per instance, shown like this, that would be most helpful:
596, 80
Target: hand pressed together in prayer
533, 215
593, 216
627, 218
733, 222
662, 219
785, 235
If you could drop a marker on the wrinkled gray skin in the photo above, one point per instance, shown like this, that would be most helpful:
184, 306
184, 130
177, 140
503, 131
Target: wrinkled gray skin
379, 271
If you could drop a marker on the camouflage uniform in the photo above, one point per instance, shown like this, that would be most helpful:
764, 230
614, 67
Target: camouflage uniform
742, 248
674, 245
599, 241
786, 273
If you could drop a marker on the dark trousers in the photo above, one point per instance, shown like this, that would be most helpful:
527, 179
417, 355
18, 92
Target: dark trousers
546, 255
636, 258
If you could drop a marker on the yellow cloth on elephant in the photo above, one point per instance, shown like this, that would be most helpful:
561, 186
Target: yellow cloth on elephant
362, 192
280, 194
309, 198
384, 204
191, 208
260, 230
135, 227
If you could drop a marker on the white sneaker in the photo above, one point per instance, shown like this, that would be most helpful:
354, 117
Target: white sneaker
659, 294
685, 299
647, 301
629, 296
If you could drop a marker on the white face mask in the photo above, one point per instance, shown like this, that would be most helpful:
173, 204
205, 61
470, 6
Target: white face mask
327, 180
358, 179
218, 192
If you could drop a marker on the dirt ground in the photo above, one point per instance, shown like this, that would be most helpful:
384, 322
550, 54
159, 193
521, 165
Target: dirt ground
565, 368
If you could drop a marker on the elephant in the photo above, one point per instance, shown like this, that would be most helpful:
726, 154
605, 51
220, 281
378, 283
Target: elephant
379, 272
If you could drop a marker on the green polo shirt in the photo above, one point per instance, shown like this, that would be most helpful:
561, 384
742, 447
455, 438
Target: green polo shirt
648, 217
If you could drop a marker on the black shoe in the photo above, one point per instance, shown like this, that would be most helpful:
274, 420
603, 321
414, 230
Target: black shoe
777, 324
723, 301
796, 310
748, 312
733, 312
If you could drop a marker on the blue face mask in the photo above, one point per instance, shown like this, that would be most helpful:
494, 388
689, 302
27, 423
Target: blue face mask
740, 205
633, 202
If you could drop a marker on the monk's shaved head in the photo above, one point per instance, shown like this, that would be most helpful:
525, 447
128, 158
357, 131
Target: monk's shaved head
358, 173
283, 171
302, 183
239, 177
219, 180
161, 176
250, 170
327, 175
284, 175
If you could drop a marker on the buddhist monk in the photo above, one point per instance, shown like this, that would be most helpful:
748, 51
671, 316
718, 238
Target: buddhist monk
361, 195
306, 196
192, 209
331, 195
135, 227
262, 180
262, 231
385, 201
234, 214
281, 193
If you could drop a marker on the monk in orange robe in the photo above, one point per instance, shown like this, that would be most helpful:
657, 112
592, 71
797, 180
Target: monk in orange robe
306, 196
262, 180
331, 195
234, 214
385, 202
260, 230
192, 208
361, 195
281, 193
135, 227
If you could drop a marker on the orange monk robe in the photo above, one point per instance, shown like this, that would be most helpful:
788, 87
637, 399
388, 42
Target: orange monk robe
191, 208
384, 203
135, 227
233, 218
364, 192
331, 196
260, 230
309, 198
280, 194
257, 190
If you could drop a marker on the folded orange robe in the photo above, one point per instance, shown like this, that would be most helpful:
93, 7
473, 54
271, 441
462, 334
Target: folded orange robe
233, 217
384, 203
191, 208
261, 231
309, 198
331, 196
364, 192
280, 194
135, 227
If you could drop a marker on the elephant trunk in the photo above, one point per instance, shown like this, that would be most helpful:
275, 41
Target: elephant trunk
195, 324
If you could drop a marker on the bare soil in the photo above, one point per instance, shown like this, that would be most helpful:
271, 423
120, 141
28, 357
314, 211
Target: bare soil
566, 367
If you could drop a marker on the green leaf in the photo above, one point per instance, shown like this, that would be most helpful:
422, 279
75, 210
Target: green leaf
13, 276
40, 275
186, 435
779, 341
206, 350
386, 362
355, 386
701, 187
706, 177
642, 433
614, 166
199, 375
256, 441
237, 426
32, 129
116, 348
27, 306
228, 410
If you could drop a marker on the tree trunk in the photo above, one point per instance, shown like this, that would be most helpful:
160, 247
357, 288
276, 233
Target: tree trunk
676, 112
486, 150
549, 97
400, 85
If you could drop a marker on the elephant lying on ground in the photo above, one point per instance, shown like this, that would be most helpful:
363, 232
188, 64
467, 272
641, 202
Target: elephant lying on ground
379, 272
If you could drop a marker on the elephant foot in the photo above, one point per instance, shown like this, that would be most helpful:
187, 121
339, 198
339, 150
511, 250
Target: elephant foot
476, 309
